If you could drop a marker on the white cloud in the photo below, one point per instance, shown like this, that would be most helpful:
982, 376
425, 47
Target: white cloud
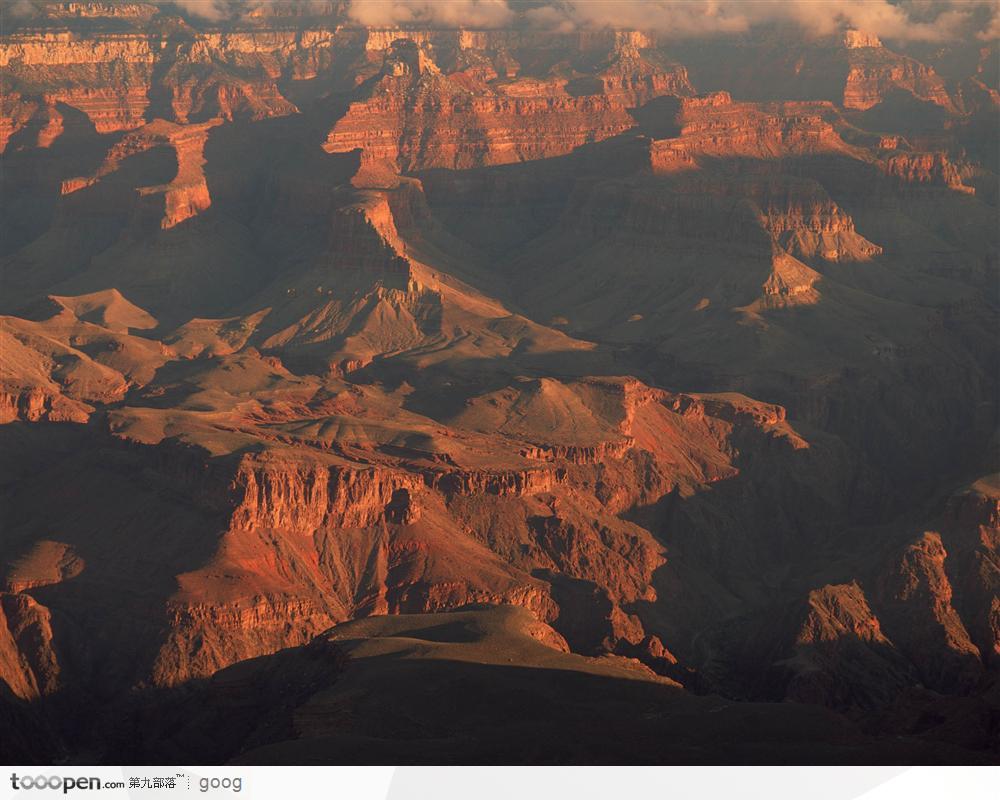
206, 9
901, 20
216, 10
436, 13
909, 20
19, 8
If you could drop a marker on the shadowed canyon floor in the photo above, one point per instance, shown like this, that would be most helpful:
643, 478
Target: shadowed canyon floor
462, 395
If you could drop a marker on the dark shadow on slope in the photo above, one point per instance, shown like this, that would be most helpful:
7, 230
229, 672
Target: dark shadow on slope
317, 705
499, 207
85, 223
902, 113
32, 176
134, 517
657, 119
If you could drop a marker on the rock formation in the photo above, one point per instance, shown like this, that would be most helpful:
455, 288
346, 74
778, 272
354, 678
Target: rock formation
674, 365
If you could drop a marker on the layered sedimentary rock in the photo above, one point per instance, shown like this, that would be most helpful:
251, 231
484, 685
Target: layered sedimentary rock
969, 528
842, 657
854, 69
186, 195
119, 81
874, 72
30, 665
715, 126
414, 525
687, 378
190, 76
799, 213
76, 353
930, 631
400, 123
107, 79
271, 497
927, 168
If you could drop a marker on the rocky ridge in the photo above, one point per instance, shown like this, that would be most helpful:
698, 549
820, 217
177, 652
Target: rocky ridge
366, 323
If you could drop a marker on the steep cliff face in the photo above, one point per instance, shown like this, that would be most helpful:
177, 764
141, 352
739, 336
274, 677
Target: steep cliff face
186, 195
714, 125
107, 78
933, 169
891, 648
308, 546
970, 529
634, 79
851, 646
798, 212
842, 658
929, 630
489, 83
57, 49
311, 497
229, 77
874, 72
672, 373
378, 303
16, 113
305, 542
401, 121
853, 69
121, 80
808, 224
27, 653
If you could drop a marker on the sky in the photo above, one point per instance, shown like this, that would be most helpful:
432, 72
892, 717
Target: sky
899, 20
907, 20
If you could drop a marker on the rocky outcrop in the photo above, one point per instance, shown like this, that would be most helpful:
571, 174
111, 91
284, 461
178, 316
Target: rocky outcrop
799, 213
186, 195
120, 80
44, 379
853, 69
634, 80
16, 113
842, 657
198, 75
579, 454
29, 665
806, 222
715, 126
77, 354
59, 67
306, 497
361, 393
916, 597
363, 236
34, 404
59, 49
970, 529
790, 282
206, 637
511, 483
400, 122
46, 564
930, 169
874, 72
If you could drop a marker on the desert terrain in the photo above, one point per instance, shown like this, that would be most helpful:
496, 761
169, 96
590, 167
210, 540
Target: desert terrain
419, 393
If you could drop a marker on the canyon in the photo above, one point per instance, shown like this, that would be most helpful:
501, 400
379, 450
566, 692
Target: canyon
338, 364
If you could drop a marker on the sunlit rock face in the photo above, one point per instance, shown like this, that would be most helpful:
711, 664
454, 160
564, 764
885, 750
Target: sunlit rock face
674, 357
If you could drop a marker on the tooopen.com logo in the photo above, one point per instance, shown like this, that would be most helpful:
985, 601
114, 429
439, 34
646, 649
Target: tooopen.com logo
57, 782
